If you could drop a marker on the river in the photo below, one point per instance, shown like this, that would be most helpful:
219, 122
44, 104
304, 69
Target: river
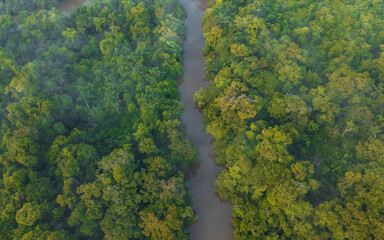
214, 216
68, 6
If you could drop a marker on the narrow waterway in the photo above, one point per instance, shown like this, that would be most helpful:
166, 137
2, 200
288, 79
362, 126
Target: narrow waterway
68, 6
214, 216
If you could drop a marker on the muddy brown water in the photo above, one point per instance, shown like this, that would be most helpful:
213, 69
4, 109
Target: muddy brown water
68, 6
214, 215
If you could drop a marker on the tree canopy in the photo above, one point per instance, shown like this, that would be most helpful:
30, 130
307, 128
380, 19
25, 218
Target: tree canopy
295, 103
91, 142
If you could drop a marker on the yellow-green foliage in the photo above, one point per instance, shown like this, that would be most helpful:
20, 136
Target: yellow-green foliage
295, 102
91, 142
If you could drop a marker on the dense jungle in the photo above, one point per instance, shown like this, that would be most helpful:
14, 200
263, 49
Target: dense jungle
93, 143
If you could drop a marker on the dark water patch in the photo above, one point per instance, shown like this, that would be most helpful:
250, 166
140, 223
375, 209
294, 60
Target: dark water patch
180, 81
68, 6
192, 170
203, 4
200, 109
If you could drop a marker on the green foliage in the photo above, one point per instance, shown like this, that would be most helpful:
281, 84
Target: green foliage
28, 214
91, 142
295, 104
16, 6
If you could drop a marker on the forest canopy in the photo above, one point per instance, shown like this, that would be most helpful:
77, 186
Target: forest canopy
295, 103
16, 6
91, 142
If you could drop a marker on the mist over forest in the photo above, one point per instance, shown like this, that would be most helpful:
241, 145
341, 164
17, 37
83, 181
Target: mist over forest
91, 142
92, 145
